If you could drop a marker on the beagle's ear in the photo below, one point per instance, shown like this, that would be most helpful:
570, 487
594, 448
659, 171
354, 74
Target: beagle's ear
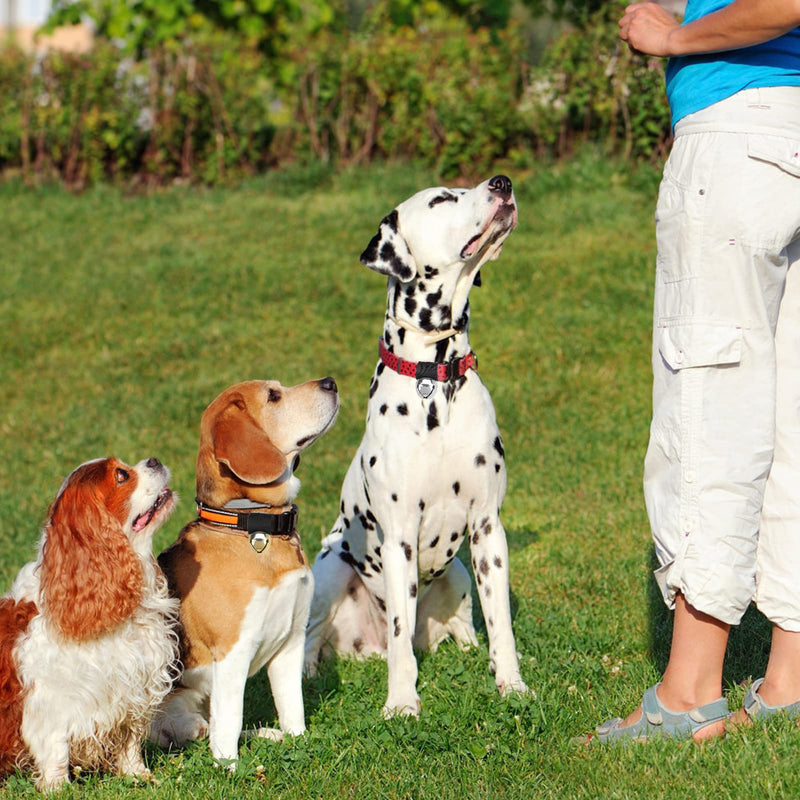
244, 448
388, 252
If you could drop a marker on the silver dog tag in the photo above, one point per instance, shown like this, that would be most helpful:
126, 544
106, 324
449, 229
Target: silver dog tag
259, 541
425, 388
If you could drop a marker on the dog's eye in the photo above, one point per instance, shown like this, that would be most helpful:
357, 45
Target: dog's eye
121, 475
274, 396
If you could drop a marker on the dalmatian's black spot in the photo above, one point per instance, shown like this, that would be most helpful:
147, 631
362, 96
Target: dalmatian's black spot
390, 220
490, 622
370, 516
373, 387
410, 305
478, 579
433, 298
372, 461
488, 590
407, 551
397, 629
387, 252
498, 562
480, 460
425, 321
434, 541
356, 509
421, 505
454, 536
358, 645
401, 335
345, 544
456, 487
341, 507
487, 530
324, 553
430, 272
381, 367
498, 445
394, 497
347, 558
381, 603
449, 553
441, 352
377, 551
433, 417
402, 410
346, 522
445, 197
383, 409
438, 573
497, 468
476, 537
412, 591
484, 566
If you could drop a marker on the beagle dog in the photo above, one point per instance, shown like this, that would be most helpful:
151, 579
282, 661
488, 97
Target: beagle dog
239, 569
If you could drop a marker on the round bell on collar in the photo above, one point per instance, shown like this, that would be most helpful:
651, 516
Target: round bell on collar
259, 541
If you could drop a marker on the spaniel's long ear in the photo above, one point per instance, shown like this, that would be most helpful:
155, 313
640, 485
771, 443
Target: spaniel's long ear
244, 448
91, 576
388, 252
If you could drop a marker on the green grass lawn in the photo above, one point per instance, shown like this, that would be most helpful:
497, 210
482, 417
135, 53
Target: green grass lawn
122, 317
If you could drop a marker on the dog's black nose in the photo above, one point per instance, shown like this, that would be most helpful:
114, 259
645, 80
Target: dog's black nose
500, 184
328, 385
153, 463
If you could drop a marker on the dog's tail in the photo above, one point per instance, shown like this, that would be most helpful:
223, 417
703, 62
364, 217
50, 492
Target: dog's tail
14, 619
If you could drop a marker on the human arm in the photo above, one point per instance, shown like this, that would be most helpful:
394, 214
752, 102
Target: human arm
648, 28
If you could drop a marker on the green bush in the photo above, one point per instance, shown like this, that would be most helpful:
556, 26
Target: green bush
200, 112
589, 86
447, 96
213, 107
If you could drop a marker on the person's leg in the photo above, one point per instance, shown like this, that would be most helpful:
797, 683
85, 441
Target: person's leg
778, 561
782, 680
693, 676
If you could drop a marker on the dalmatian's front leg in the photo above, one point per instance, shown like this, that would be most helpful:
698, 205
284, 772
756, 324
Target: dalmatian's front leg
400, 580
490, 565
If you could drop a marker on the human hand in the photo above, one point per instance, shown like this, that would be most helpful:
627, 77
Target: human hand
647, 28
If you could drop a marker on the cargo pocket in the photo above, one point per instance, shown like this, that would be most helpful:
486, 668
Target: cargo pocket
783, 153
680, 213
696, 343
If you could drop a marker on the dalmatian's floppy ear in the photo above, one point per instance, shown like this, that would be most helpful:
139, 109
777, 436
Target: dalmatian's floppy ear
388, 252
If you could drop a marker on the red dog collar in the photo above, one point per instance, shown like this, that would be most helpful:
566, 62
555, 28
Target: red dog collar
433, 370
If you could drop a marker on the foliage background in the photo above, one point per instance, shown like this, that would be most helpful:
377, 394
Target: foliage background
205, 94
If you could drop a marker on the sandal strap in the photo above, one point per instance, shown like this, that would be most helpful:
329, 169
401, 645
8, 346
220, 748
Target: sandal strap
756, 707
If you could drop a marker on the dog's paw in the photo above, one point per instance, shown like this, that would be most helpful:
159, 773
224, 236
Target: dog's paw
273, 734
411, 708
515, 687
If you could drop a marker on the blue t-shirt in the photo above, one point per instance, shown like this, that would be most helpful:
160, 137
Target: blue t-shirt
695, 82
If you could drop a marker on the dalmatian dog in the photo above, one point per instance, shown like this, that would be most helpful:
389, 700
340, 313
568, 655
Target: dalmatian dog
430, 468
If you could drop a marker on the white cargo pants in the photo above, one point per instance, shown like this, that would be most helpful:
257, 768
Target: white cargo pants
722, 470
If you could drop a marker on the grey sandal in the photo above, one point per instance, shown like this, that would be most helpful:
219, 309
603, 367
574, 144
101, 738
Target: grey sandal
758, 710
658, 721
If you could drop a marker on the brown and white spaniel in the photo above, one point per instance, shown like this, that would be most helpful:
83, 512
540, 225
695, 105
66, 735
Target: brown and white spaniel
88, 646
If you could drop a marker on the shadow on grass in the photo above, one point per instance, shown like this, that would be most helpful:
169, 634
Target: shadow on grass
259, 706
748, 644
